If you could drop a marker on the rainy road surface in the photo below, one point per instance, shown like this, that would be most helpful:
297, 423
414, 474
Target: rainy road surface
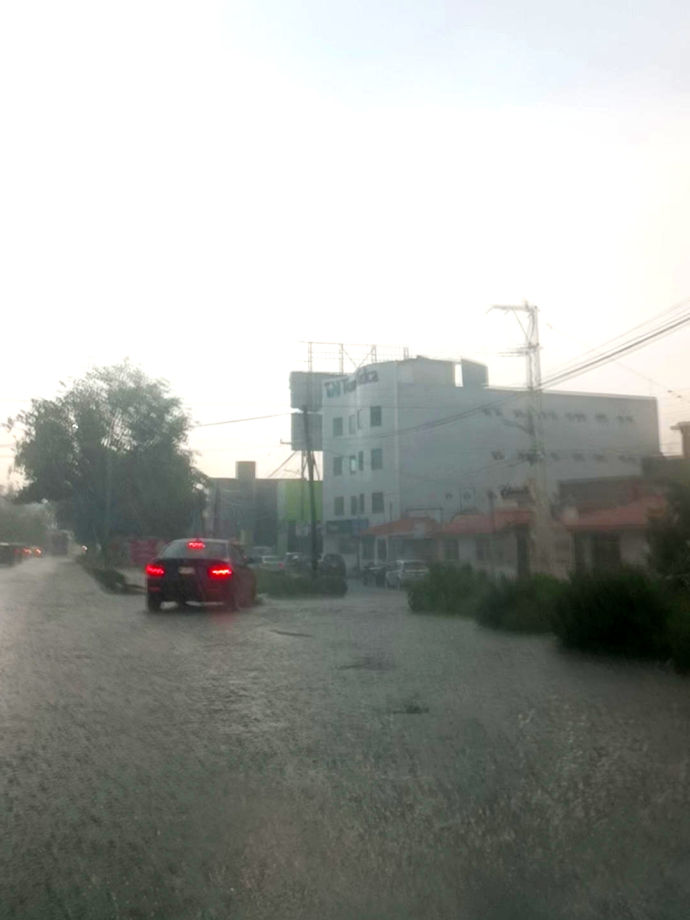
326, 759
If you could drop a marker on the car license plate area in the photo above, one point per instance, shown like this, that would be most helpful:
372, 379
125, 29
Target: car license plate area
186, 570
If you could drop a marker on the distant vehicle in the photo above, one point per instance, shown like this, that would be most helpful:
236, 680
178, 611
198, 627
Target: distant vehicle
201, 571
297, 562
374, 573
406, 572
272, 563
59, 542
332, 564
7, 554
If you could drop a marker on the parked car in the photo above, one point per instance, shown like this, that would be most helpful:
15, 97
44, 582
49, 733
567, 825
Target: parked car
406, 572
297, 563
374, 573
272, 563
205, 571
332, 564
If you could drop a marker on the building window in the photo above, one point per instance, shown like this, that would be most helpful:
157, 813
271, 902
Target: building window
602, 417
375, 416
353, 505
353, 463
352, 424
360, 460
376, 502
337, 466
377, 458
361, 503
339, 506
337, 427
381, 550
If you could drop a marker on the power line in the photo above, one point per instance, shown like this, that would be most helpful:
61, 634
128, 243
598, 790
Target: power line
557, 377
636, 343
281, 465
234, 421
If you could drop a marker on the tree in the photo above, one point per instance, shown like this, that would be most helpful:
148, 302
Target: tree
669, 534
111, 453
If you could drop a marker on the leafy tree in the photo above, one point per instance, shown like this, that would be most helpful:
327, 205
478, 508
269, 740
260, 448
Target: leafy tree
669, 534
111, 453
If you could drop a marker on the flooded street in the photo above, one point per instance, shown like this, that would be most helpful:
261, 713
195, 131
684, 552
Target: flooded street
326, 759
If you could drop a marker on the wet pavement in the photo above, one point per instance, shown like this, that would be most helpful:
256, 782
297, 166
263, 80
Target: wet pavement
326, 759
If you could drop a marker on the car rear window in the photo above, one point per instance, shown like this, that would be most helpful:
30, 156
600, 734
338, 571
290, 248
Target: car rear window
189, 549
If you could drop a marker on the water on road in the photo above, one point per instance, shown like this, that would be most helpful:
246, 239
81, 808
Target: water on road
326, 759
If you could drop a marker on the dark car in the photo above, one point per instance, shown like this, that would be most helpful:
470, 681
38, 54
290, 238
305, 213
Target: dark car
197, 570
374, 573
332, 564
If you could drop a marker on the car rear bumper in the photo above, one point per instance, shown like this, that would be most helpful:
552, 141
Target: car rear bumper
190, 589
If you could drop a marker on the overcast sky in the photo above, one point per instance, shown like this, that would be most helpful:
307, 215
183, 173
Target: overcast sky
201, 186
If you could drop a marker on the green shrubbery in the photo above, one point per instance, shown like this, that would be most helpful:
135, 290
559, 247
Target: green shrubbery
448, 589
279, 584
625, 612
679, 634
523, 605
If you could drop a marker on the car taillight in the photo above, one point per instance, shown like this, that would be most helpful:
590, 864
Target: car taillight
155, 571
196, 544
219, 571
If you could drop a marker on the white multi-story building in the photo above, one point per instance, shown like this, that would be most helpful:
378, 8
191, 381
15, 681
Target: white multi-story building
422, 437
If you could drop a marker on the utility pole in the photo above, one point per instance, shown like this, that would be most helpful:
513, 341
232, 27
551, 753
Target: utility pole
312, 501
492, 557
535, 429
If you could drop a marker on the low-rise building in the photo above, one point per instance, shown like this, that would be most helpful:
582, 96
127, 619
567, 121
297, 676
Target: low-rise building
607, 538
272, 513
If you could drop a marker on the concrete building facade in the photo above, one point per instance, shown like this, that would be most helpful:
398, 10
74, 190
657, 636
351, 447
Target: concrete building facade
272, 513
428, 438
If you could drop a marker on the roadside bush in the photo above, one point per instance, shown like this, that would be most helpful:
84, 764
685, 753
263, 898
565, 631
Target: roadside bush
448, 589
679, 634
625, 612
524, 605
278, 584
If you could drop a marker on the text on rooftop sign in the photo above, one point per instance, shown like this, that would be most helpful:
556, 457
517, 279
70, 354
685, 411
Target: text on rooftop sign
348, 384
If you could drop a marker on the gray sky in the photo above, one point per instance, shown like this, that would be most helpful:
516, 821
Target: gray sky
201, 186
